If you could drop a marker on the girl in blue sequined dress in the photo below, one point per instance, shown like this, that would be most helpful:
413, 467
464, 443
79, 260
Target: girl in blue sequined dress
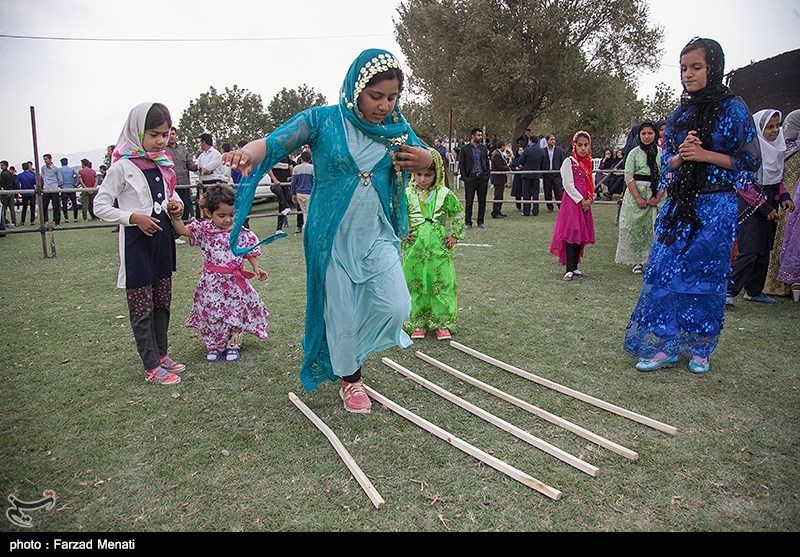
356, 293
710, 148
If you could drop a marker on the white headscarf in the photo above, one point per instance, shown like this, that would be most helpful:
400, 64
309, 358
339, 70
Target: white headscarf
771, 171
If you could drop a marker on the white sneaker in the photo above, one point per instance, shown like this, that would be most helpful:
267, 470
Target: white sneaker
180, 241
577, 273
286, 211
638, 269
569, 275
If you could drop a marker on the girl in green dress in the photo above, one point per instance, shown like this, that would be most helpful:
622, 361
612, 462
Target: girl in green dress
428, 252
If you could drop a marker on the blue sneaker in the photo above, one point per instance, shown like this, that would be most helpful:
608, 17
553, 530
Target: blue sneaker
646, 364
763, 298
698, 367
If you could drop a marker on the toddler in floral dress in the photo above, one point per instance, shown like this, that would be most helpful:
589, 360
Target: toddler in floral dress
225, 304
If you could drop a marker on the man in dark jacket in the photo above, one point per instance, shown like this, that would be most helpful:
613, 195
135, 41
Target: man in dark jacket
533, 158
554, 158
183, 164
8, 182
473, 167
499, 164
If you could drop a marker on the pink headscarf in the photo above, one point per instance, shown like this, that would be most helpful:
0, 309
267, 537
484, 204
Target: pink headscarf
129, 146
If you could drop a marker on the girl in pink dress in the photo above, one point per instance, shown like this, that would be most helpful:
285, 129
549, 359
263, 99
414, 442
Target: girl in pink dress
225, 304
574, 224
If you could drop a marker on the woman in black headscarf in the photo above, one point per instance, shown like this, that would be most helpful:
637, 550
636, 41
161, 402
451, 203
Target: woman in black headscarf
710, 149
641, 200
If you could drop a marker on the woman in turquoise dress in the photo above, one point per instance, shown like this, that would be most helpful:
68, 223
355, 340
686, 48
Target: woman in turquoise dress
428, 252
356, 294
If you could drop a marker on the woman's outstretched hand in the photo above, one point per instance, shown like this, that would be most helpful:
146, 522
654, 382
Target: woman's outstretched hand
412, 158
247, 157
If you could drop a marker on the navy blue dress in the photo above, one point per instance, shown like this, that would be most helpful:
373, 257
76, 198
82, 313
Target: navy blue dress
148, 258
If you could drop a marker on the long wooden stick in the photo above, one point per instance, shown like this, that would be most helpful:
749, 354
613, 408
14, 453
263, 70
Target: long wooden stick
358, 474
544, 414
671, 430
471, 450
552, 450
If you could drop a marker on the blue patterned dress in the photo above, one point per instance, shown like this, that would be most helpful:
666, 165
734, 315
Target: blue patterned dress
681, 308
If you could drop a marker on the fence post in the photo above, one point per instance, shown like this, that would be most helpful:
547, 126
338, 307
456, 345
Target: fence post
39, 201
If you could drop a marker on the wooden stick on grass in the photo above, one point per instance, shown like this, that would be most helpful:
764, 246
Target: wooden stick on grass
671, 430
358, 474
471, 450
552, 450
544, 414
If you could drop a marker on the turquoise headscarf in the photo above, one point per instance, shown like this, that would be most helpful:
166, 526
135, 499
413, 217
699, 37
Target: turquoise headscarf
393, 131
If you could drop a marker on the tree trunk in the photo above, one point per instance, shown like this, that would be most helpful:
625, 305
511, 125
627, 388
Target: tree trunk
522, 125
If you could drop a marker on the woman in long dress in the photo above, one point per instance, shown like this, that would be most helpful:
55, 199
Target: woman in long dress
356, 294
710, 148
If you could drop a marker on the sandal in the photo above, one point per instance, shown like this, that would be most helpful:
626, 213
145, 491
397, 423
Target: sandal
214, 355
232, 354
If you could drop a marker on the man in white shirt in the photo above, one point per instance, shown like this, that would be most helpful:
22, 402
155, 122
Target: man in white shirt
209, 166
209, 162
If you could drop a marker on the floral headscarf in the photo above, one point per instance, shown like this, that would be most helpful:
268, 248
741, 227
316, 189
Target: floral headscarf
129, 146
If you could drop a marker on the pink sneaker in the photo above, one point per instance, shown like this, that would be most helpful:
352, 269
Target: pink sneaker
418, 334
443, 334
171, 365
161, 376
355, 397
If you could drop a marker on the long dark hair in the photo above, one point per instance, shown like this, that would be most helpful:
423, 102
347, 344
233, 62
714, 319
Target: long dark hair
702, 108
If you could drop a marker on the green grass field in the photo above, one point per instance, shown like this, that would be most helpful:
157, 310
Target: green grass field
226, 450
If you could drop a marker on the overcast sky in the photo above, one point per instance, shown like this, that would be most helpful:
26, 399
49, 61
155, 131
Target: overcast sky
83, 90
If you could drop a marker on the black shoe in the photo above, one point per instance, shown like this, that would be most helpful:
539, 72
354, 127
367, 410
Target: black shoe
481, 225
468, 226
498, 216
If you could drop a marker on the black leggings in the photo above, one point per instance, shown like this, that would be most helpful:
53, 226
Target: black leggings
353, 378
573, 252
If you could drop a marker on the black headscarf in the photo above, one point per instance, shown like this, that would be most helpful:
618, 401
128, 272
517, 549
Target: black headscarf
702, 107
651, 151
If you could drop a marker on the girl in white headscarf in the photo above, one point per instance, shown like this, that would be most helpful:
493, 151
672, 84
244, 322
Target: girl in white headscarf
138, 193
758, 212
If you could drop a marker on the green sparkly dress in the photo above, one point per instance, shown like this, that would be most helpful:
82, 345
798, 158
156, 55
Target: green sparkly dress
427, 262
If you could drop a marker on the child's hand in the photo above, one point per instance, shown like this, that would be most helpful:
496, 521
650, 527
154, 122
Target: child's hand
773, 215
410, 237
147, 224
174, 209
450, 241
788, 205
261, 274
652, 202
